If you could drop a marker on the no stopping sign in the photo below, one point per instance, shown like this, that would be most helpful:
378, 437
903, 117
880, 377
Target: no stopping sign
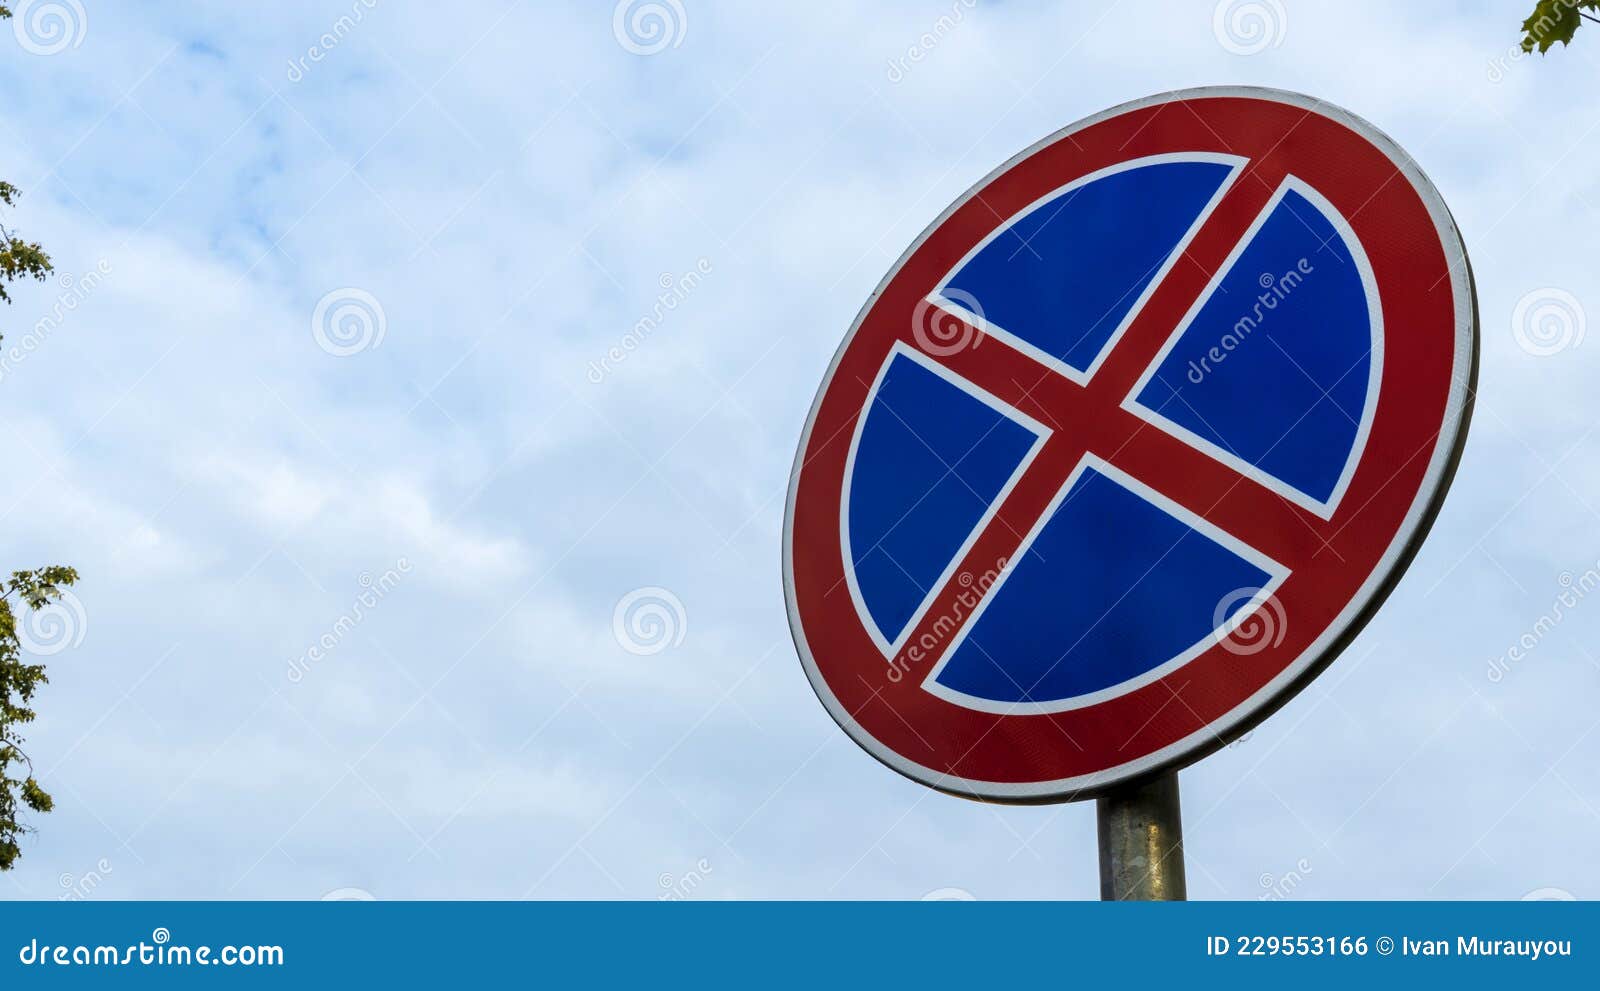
1129, 444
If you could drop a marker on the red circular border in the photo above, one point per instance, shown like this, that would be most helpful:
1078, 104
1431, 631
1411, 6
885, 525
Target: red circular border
962, 749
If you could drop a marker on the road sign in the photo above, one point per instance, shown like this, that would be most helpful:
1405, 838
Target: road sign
1129, 444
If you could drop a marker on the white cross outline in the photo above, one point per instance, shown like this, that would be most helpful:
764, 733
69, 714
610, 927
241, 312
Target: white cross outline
1203, 527
1275, 571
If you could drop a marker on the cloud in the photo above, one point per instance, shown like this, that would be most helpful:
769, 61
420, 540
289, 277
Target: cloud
511, 185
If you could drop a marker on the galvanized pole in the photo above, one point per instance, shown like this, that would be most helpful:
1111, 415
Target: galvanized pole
1141, 842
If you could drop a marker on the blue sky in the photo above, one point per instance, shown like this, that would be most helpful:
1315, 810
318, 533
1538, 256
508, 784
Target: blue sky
479, 203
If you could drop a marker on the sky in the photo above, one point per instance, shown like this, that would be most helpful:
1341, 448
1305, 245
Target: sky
328, 364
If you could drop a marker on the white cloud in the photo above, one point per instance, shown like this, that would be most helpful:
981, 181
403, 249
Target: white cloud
511, 186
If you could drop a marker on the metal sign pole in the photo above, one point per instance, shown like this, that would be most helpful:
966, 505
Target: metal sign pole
1141, 842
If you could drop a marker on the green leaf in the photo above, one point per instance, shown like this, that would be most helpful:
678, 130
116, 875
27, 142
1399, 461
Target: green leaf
18, 682
35, 797
1553, 21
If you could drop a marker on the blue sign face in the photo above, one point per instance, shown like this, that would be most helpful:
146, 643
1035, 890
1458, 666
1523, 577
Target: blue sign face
1114, 424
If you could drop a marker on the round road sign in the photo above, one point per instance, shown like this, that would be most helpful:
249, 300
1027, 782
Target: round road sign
1129, 444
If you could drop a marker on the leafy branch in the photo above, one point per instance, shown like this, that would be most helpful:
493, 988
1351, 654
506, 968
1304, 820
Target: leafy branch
19, 680
19, 259
1556, 20
20, 791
